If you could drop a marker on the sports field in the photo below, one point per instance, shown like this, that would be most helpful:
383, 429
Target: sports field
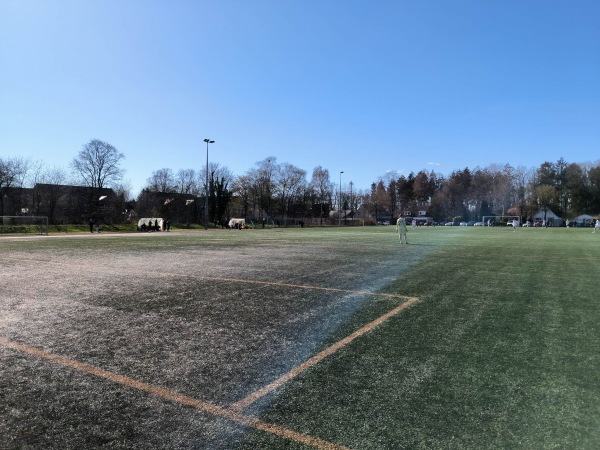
468, 337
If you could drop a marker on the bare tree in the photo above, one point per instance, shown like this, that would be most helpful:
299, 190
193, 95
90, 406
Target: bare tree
162, 180
98, 164
290, 180
524, 195
219, 194
48, 191
321, 184
214, 170
13, 172
264, 183
502, 189
242, 187
186, 181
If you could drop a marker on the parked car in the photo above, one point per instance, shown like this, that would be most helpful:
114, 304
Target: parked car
478, 224
449, 224
463, 224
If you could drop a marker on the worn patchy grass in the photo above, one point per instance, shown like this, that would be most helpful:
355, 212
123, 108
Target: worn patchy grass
500, 351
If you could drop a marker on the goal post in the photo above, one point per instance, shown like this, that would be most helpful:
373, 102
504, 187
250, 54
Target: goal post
24, 224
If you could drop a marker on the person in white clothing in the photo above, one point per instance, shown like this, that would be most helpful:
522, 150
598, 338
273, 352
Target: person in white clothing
515, 224
597, 226
401, 228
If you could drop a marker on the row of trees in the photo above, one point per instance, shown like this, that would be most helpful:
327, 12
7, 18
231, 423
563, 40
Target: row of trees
270, 192
282, 192
31, 187
568, 189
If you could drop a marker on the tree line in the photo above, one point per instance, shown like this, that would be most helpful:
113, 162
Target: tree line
283, 193
568, 189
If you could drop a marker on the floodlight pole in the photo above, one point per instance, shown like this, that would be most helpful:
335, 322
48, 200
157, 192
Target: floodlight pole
208, 141
340, 202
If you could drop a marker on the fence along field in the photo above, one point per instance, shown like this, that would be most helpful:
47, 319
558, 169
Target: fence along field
197, 324
23, 224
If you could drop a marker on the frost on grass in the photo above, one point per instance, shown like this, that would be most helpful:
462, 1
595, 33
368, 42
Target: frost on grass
180, 315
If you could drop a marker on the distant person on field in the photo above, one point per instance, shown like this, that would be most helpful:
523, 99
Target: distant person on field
91, 223
515, 224
597, 226
401, 228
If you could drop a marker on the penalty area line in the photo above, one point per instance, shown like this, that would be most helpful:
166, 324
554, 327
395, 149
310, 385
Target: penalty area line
176, 397
250, 399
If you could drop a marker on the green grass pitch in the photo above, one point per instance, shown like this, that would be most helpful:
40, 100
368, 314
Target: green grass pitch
500, 349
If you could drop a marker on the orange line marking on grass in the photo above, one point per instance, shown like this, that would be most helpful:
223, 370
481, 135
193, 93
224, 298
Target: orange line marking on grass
230, 280
318, 357
167, 394
239, 280
298, 286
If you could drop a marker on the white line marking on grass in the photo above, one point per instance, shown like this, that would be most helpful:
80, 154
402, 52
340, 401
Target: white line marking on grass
167, 394
318, 357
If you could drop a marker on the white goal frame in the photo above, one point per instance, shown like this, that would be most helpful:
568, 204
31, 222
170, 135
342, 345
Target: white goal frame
23, 224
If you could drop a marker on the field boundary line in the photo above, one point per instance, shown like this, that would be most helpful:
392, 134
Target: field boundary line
176, 397
256, 395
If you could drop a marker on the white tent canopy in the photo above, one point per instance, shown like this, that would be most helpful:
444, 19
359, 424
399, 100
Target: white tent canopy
241, 223
151, 222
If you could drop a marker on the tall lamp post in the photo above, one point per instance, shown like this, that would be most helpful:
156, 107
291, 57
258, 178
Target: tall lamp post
340, 202
208, 141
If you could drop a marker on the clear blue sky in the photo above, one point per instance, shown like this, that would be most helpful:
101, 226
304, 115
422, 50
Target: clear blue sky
365, 87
